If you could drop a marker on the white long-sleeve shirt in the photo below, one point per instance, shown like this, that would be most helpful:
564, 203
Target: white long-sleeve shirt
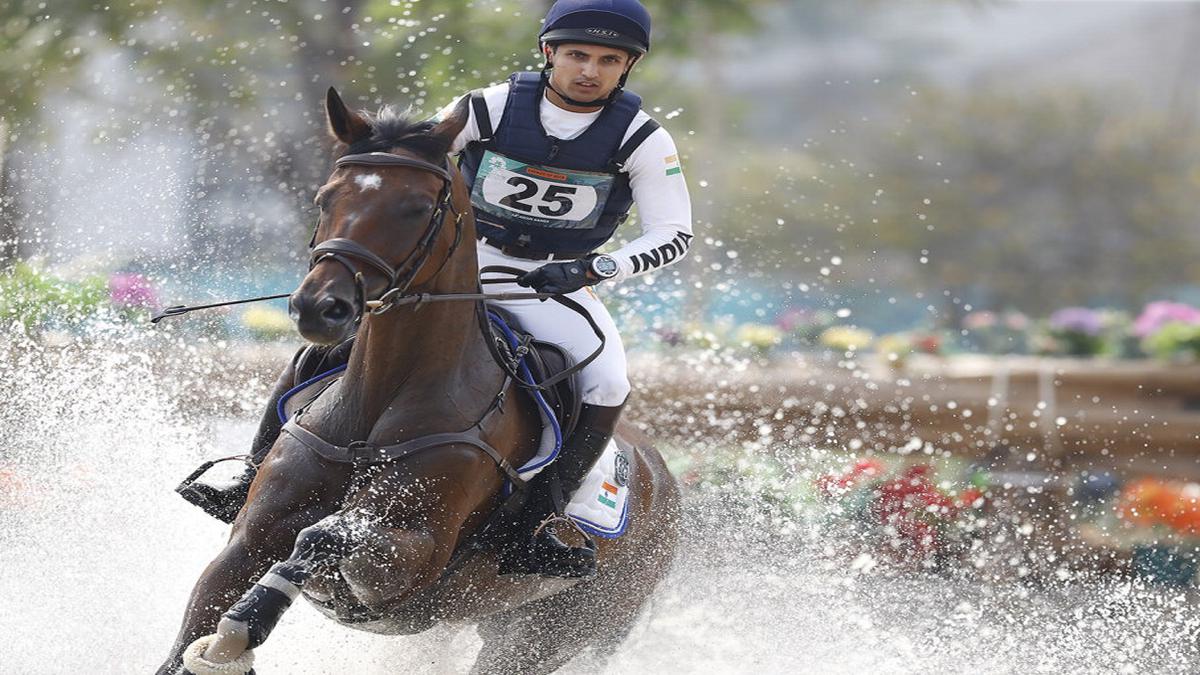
655, 178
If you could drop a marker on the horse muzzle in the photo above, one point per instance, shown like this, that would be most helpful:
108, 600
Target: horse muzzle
324, 318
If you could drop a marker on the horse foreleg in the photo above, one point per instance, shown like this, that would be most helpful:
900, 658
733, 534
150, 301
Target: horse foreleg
292, 491
248, 623
387, 562
220, 584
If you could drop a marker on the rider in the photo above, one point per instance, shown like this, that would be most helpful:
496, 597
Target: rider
555, 161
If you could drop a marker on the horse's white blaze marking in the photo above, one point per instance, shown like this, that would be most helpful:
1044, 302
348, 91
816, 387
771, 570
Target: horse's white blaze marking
370, 181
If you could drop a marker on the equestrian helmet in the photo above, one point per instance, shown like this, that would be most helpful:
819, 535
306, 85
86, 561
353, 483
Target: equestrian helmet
624, 24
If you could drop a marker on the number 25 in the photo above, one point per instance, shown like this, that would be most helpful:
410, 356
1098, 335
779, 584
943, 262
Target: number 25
555, 202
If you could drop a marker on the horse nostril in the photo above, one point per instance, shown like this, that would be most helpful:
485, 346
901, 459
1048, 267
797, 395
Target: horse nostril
334, 310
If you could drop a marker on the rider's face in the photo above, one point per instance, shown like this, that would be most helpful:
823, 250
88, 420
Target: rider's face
586, 72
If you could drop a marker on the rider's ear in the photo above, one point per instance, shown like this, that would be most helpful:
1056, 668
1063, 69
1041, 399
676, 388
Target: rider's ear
346, 126
452, 124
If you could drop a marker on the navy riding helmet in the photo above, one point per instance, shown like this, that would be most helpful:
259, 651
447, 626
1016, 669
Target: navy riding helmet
624, 24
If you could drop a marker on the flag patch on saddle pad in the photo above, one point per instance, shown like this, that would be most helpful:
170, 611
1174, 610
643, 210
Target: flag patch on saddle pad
608, 495
601, 504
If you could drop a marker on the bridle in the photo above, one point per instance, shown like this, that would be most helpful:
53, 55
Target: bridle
347, 252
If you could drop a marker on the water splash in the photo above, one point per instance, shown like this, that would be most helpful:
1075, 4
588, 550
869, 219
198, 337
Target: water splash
101, 555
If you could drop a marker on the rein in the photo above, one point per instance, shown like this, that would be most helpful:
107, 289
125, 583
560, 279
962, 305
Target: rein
347, 252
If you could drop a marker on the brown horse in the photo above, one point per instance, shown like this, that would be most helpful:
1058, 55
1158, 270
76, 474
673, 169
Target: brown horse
369, 542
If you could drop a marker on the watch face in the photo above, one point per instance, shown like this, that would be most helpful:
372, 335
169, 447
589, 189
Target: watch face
604, 266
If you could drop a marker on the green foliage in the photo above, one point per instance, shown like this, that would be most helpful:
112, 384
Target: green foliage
1174, 341
1038, 201
1023, 196
43, 43
33, 297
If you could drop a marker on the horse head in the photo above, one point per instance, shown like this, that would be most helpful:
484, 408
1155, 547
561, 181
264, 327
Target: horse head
391, 217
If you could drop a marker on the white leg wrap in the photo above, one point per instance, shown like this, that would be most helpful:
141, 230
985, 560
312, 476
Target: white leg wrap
194, 661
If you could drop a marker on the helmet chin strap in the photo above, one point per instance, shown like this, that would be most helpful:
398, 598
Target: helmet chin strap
598, 103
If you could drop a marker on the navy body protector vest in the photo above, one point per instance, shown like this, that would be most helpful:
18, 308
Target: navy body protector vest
544, 194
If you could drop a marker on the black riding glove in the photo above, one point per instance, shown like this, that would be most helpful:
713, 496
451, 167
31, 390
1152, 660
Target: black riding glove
558, 277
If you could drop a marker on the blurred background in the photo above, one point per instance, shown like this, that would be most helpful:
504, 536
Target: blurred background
910, 162
928, 376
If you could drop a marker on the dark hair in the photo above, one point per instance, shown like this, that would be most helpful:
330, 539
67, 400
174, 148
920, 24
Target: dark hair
392, 128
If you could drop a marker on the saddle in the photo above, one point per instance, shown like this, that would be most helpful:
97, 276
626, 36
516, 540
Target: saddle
314, 364
545, 360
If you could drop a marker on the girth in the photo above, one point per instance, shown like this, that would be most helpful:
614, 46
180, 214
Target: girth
362, 453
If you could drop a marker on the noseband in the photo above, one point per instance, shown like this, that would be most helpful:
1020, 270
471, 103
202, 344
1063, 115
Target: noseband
400, 278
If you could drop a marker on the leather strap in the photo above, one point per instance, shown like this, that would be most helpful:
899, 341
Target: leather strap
483, 119
361, 453
626, 149
389, 159
339, 248
528, 254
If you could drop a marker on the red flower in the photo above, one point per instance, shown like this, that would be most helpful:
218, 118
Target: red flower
830, 485
969, 498
915, 507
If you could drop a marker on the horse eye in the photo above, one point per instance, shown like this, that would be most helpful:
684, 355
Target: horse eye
417, 210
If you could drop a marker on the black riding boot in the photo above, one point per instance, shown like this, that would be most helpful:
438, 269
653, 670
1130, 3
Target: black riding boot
537, 548
221, 502
224, 501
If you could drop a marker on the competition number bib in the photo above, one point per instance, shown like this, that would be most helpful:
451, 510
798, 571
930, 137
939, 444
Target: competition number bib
545, 197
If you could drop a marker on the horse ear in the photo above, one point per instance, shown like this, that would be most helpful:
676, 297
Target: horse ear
450, 126
346, 126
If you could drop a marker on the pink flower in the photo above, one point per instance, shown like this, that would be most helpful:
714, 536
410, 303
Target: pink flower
1158, 314
1016, 321
979, 320
128, 289
793, 318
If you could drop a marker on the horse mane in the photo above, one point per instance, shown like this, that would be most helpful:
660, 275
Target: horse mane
392, 127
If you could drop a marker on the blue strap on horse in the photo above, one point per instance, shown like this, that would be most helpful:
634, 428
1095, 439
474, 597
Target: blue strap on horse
526, 378
280, 409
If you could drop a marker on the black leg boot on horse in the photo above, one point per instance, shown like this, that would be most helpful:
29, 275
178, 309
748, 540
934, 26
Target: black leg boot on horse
223, 501
536, 547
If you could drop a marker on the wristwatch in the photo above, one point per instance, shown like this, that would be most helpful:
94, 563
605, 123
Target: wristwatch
602, 266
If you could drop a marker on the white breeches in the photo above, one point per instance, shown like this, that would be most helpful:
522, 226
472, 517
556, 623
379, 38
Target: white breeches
604, 381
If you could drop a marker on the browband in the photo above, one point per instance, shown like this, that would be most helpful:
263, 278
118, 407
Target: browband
388, 159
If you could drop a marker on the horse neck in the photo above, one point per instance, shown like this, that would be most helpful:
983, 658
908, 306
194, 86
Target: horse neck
424, 349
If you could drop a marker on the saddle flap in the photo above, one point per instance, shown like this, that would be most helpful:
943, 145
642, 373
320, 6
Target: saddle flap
545, 360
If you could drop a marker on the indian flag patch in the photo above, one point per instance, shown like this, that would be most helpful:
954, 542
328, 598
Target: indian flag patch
608, 495
673, 165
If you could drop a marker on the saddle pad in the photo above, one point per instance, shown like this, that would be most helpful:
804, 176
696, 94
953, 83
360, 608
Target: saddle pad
601, 505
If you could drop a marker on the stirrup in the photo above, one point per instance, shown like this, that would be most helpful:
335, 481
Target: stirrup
550, 556
221, 503
542, 552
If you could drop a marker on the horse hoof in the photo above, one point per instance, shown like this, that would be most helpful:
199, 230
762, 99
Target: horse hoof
194, 662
